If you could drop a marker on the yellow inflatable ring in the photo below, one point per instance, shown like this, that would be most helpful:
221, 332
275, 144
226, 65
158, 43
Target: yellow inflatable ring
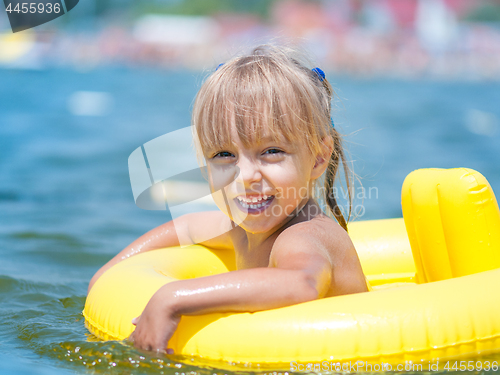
450, 313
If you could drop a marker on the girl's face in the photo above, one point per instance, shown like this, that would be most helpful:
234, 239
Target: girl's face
260, 186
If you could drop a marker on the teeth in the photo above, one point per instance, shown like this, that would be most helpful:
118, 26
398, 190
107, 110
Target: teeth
254, 199
246, 203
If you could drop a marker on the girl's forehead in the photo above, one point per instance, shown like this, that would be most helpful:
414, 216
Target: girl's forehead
256, 135
236, 138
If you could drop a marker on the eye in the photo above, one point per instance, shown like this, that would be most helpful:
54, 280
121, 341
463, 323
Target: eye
273, 151
222, 154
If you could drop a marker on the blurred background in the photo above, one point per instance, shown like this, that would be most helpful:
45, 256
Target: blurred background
417, 85
457, 39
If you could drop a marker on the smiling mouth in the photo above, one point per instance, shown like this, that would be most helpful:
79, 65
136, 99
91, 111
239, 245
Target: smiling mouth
254, 204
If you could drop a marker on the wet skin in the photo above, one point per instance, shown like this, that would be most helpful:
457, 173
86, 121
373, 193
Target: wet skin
282, 240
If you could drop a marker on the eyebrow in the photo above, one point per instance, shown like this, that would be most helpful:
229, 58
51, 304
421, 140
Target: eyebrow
266, 139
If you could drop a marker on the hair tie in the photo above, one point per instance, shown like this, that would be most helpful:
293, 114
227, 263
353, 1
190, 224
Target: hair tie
322, 77
320, 73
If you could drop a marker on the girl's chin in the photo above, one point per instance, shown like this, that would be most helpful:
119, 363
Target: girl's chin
257, 219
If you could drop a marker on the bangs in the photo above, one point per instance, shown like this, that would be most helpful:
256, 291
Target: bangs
270, 94
259, 97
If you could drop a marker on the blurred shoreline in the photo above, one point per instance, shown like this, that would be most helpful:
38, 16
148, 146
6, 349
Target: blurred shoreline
434, 39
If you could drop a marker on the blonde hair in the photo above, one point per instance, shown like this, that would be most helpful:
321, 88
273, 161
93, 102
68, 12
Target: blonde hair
269, 91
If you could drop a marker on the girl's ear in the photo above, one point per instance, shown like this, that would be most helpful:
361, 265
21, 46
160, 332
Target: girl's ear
323, 157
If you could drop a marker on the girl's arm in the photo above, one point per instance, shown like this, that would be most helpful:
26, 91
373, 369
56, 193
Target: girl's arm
301, 273
188, 229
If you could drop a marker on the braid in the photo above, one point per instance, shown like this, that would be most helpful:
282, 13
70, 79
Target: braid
337, 158
331, 173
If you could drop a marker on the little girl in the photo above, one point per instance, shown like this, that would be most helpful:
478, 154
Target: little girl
263, 126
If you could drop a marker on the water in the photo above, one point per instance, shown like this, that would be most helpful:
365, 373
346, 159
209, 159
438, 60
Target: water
66, 206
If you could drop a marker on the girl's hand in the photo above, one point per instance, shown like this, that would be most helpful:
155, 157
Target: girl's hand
155, 326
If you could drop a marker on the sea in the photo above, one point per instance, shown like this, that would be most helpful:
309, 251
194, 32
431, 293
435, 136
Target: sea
67, 207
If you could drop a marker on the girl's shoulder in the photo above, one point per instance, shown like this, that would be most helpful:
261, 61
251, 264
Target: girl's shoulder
320, 227
321, 233
322, 237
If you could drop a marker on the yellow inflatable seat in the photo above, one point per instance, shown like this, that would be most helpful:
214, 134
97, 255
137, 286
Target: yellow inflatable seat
453, 223
452, 220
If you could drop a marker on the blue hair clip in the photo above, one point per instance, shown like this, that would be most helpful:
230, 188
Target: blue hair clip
322, 76
218, 66
320, 73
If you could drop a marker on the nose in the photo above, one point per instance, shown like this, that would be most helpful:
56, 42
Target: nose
249, 169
